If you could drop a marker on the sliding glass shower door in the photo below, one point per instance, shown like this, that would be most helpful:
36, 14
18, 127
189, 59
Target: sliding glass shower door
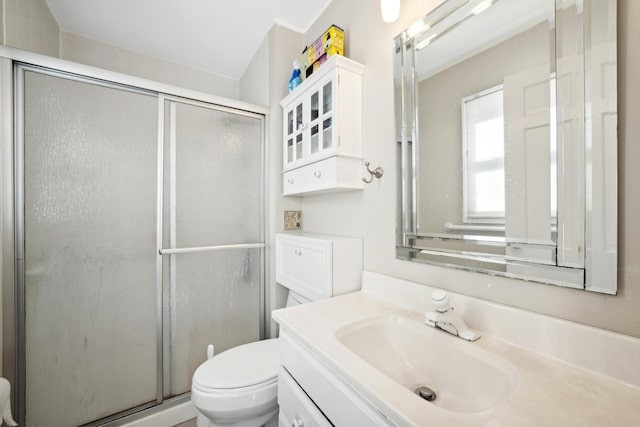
213, 250
139, 241
90, 175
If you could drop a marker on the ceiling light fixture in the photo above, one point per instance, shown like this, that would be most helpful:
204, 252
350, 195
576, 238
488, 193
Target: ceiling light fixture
390, 10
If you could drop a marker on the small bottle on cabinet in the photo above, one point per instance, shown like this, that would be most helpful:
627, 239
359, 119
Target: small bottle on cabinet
296, 78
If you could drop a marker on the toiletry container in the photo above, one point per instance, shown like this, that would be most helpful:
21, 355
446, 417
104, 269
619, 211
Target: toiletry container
296, 77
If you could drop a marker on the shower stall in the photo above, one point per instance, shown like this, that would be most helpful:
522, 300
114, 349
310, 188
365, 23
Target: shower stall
132, 237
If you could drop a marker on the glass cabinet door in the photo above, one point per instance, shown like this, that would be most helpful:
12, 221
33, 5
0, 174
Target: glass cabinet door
321, 118
294, 133
314, 123
327, 113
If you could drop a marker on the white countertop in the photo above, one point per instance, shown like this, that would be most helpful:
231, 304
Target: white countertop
548, 392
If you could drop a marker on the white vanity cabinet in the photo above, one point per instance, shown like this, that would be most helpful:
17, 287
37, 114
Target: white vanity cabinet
322, 144
311, 394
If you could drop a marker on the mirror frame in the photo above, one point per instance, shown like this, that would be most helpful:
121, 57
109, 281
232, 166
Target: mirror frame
596, 267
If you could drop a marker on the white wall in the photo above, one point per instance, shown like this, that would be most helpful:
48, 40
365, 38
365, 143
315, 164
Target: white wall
29, 25
267, 78
91, 52
370, 214
254, 83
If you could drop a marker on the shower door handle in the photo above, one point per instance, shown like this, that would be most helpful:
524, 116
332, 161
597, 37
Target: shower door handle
173, 251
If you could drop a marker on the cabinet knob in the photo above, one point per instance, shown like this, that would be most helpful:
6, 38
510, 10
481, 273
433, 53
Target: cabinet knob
297, 251
290, 180
317, 174
297, 422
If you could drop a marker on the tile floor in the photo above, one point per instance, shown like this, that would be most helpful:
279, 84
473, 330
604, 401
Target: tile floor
189, 423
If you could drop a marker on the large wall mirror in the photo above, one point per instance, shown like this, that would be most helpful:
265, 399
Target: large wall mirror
506, 121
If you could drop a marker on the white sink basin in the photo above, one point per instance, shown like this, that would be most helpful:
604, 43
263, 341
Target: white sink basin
465, 378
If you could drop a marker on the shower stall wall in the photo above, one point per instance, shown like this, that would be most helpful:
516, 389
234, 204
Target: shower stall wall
137, 234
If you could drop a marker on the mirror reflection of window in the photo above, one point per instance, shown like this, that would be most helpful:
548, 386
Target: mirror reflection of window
483, 157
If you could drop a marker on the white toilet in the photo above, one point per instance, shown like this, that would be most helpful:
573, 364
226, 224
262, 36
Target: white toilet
239, 387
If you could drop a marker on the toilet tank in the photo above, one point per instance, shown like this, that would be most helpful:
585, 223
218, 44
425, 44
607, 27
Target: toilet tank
318, 266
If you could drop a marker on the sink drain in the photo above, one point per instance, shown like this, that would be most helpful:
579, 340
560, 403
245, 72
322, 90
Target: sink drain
426, 393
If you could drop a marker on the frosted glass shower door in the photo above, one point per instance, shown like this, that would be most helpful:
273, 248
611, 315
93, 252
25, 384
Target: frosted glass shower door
212, 203
90, 249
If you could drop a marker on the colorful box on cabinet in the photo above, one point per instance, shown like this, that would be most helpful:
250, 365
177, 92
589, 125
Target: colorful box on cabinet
330, 43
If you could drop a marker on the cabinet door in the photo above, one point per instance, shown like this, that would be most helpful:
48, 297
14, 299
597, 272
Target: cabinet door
305, 266
296, 408
294, 134
321, 123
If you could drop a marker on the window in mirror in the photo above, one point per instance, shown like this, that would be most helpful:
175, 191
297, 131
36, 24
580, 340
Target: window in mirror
483, 157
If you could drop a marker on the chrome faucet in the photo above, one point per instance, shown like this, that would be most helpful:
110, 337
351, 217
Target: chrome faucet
443, 317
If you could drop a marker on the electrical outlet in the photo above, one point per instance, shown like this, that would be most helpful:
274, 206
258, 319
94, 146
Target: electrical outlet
293, 220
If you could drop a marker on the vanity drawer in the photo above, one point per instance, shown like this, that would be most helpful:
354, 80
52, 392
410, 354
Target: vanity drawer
296, 409
333, 174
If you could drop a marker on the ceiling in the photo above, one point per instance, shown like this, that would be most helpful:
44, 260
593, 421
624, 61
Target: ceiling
218, 36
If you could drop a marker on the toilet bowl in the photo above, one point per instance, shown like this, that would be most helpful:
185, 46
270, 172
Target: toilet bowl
238, 387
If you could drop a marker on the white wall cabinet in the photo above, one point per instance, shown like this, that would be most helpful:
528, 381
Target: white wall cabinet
322, 145
318, 266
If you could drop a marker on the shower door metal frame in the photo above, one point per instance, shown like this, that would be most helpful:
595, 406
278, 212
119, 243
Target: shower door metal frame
13, 63
9, 362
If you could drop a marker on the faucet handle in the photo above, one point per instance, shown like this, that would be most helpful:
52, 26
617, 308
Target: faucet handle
440, 301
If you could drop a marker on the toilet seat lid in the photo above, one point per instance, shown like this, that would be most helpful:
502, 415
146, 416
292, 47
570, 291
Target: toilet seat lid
242, 366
